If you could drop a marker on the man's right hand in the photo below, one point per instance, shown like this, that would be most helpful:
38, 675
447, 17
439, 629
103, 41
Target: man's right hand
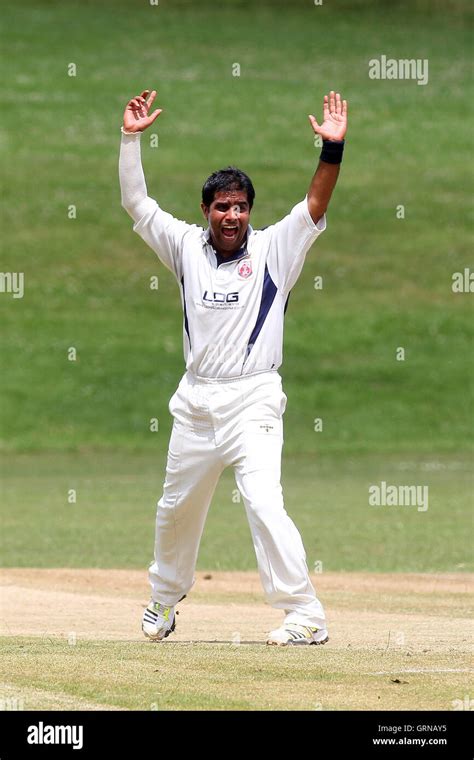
135, 117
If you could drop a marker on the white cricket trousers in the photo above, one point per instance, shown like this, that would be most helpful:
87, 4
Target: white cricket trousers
234, 422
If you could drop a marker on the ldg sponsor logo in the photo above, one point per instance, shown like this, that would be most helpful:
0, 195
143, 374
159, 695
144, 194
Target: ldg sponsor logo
220, 297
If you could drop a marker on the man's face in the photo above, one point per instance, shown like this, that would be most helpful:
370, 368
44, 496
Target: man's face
228, 217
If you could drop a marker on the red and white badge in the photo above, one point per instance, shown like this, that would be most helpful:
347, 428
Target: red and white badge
245, 269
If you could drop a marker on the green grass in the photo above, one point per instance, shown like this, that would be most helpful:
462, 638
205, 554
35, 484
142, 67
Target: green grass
84, 425
111, 524
387, 282
226, 677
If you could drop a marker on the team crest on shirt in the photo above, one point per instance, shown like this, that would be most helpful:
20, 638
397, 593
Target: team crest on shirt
245, 269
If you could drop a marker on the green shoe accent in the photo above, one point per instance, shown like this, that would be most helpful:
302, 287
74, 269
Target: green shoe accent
166, 610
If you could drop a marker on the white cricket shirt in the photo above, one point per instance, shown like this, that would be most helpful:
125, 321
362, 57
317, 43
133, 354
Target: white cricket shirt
233, 311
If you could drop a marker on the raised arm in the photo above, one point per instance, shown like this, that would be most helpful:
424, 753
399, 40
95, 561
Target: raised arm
136, 118
159, 229
332, 130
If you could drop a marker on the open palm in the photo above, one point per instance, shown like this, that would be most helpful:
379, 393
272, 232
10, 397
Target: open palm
136, 116
334, 124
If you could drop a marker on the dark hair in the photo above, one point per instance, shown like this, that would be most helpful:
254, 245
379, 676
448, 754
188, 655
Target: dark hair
230, 178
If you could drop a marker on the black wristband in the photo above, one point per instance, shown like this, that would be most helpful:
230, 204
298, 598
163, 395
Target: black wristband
332, 151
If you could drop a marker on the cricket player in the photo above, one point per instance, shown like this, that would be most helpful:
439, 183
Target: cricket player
234, 283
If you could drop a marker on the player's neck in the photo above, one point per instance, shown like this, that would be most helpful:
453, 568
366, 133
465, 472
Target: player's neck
228, 254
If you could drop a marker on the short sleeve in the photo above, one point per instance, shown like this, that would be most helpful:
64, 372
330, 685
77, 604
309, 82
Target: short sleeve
288, 241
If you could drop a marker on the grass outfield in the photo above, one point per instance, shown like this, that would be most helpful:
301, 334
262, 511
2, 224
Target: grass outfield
387, 281
394, 580
111, 523
83, 649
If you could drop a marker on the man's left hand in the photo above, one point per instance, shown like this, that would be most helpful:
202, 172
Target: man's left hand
334, 124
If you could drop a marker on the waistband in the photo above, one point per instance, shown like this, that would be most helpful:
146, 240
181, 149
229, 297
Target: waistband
238, 378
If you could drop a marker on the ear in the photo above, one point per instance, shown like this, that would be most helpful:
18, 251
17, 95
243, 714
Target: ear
205, 210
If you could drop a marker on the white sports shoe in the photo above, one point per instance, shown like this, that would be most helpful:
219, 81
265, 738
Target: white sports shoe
293, 634
158, 621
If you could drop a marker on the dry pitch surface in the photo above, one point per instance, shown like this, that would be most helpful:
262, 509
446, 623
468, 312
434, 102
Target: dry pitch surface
71, 639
